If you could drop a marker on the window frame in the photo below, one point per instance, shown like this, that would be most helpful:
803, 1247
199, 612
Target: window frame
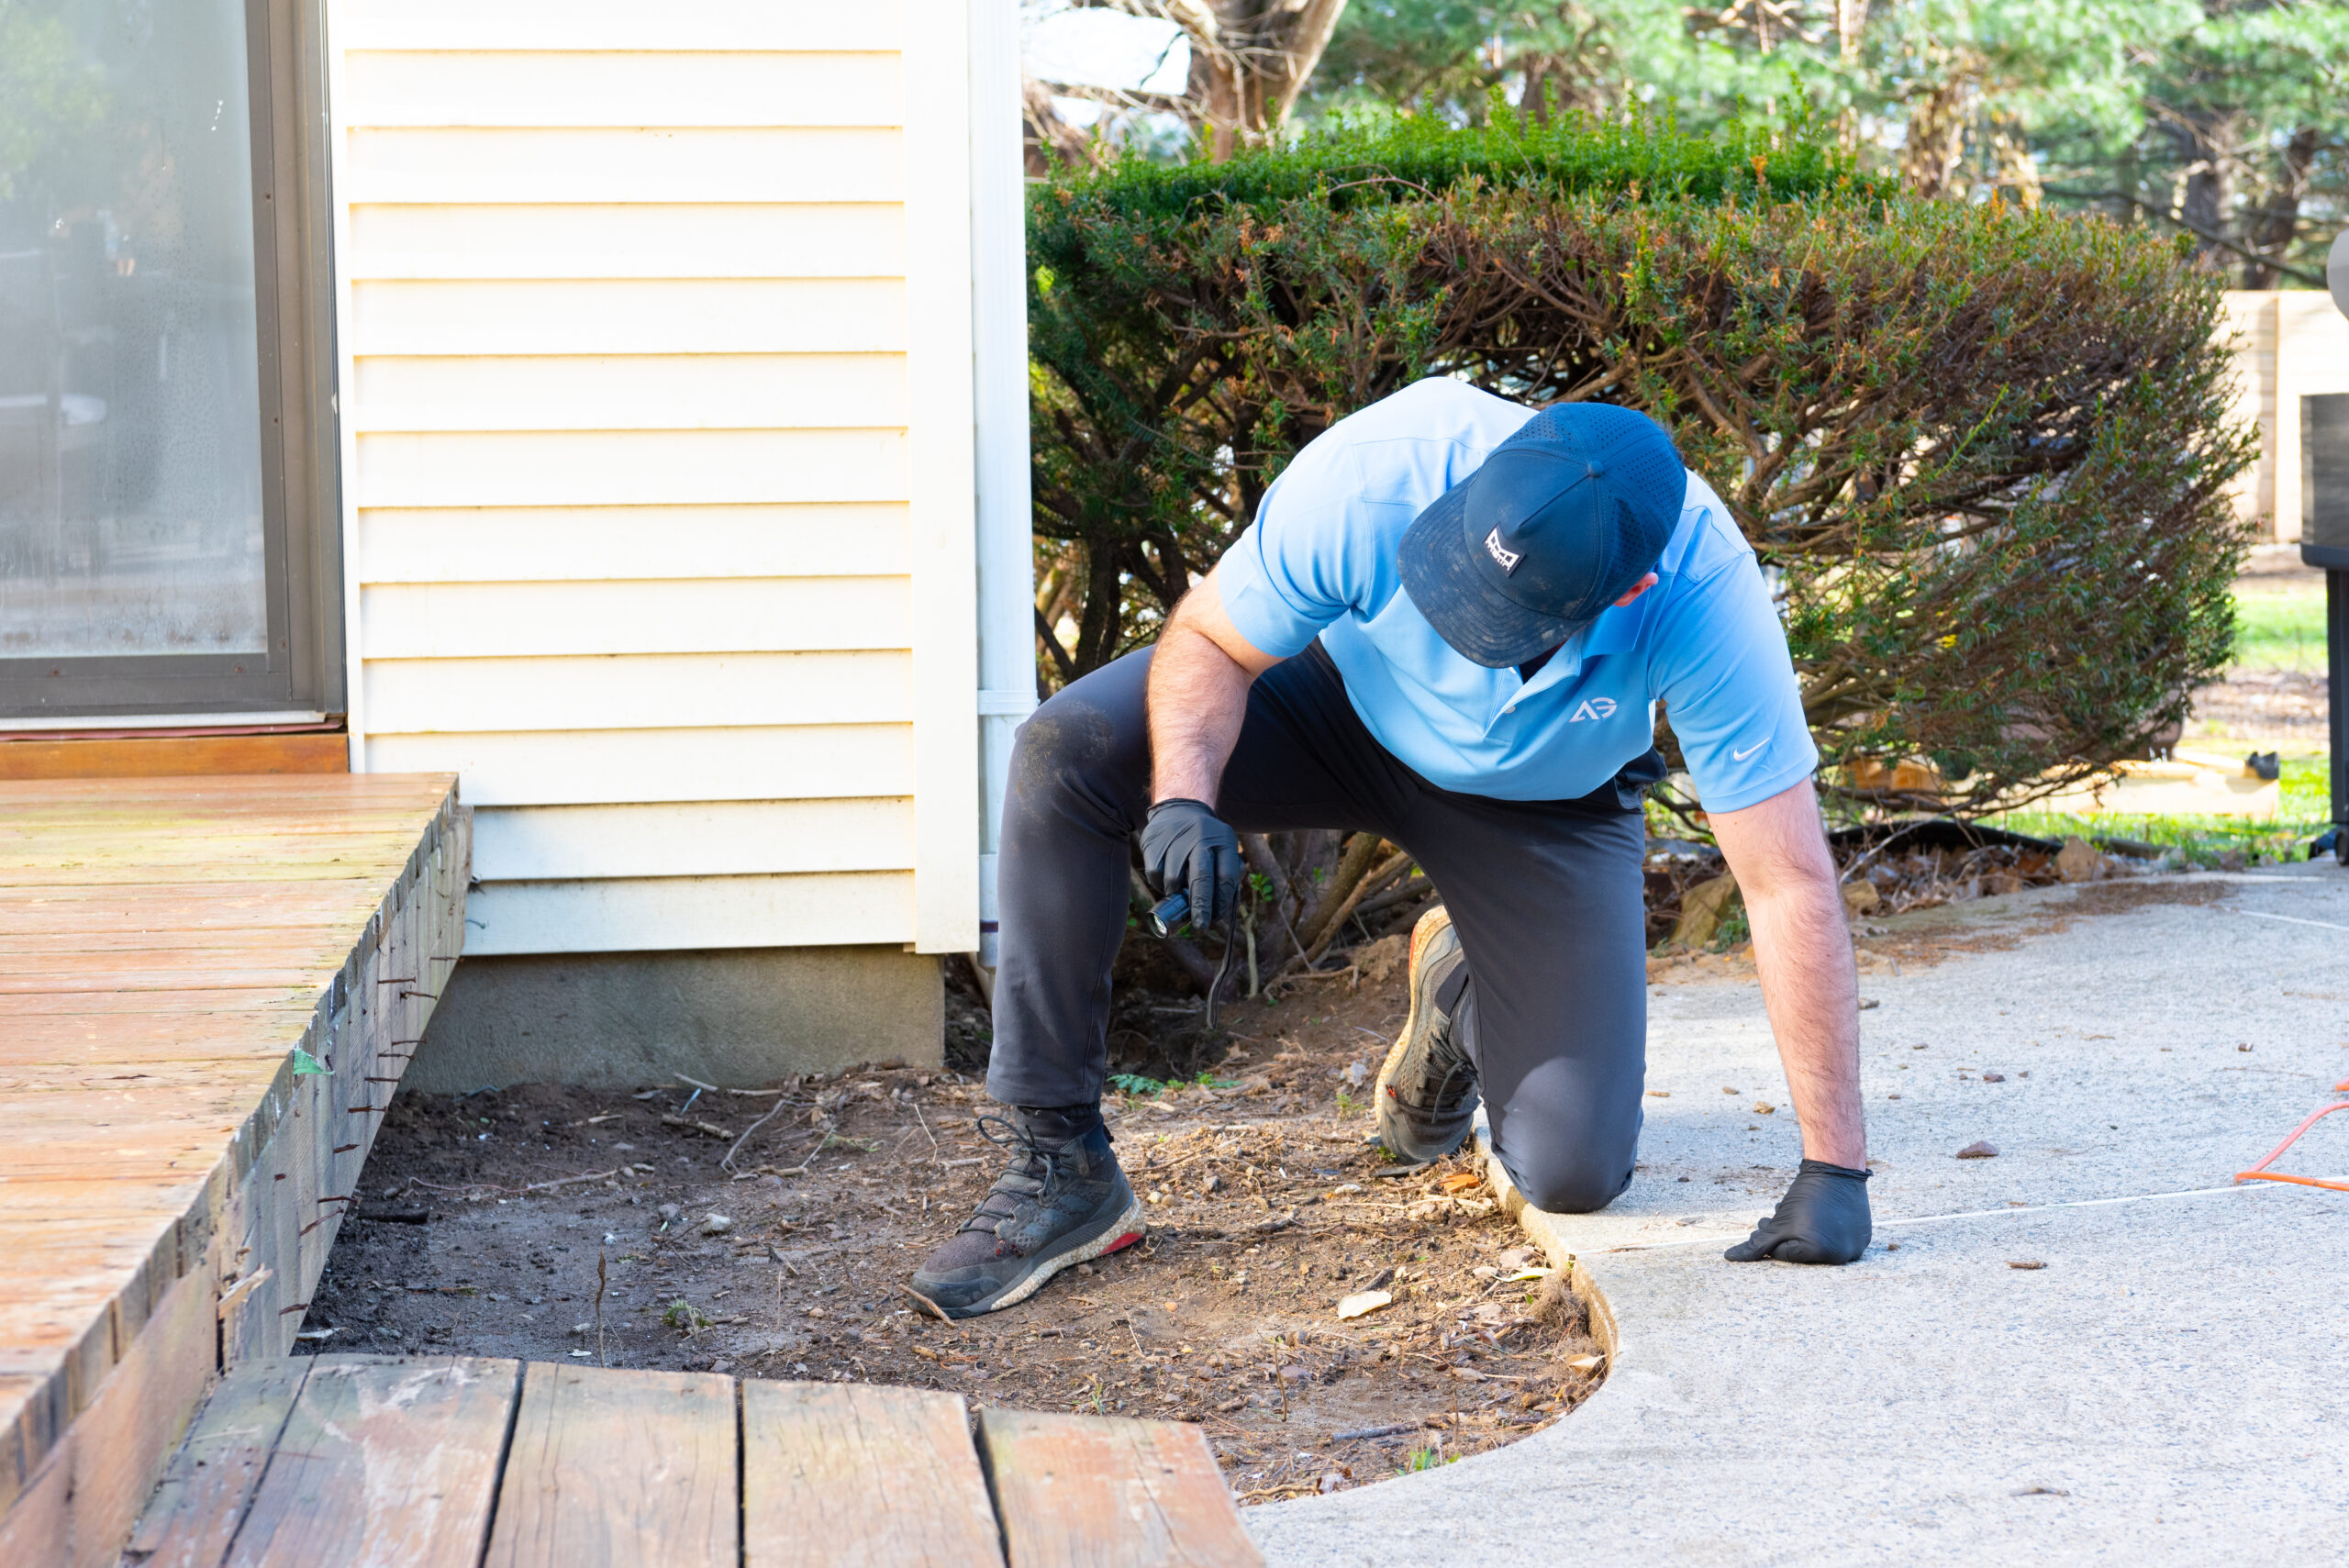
302, 671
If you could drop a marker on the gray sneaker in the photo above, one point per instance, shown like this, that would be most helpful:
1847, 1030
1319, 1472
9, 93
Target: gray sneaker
1054, 1207
1427, 1094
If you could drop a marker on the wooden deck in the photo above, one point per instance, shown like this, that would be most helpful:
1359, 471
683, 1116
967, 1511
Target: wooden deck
171, 1176
450, 1462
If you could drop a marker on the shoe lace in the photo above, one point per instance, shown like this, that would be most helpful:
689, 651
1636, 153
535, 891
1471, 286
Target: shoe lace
1033, 1161
1452, 1077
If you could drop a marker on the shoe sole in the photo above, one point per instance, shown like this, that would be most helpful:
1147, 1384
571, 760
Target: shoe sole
1115, 1237
1432, 924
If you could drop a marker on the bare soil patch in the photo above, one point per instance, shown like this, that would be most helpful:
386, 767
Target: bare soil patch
2280, 710
1266, 1206
559, 1223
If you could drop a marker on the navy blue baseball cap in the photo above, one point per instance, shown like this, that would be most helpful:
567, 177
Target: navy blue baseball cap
1562, 519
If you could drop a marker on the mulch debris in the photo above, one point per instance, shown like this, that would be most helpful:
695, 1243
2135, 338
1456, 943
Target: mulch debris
486, 1223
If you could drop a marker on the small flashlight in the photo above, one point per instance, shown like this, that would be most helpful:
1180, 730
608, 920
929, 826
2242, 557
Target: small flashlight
1165, 915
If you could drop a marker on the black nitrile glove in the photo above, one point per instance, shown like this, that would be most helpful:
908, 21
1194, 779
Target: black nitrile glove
1187, 849
1823, 1219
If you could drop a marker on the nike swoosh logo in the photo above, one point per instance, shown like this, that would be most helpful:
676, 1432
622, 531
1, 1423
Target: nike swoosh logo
1741, 756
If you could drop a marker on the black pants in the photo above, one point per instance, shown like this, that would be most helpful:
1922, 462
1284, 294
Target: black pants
1546, 896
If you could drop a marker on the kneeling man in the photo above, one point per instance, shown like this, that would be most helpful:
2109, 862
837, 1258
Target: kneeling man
1449, 625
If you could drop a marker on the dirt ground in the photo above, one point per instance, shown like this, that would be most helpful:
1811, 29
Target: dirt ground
558, 1223
2278, 710
769, 1233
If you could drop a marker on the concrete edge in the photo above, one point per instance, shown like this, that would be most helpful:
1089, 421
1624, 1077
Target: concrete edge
1543, 1226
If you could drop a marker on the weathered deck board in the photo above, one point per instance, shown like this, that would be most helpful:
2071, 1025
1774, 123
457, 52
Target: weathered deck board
382, 1460
619, 1467
384, 1463
165, 944
836, 1474
1079, 1492
201, 1500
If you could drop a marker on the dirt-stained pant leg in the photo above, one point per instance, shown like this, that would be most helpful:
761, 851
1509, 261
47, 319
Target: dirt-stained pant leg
1547, 898
1079, 786
1548, 903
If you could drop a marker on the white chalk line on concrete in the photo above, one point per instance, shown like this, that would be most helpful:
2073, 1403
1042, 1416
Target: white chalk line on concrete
1965, 1214
2293, 920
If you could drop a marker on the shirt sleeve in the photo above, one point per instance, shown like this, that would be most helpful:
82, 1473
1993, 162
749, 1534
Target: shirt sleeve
1729, 689
1287, 576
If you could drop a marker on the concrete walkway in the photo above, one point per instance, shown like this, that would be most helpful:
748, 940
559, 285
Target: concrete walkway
2172, 1386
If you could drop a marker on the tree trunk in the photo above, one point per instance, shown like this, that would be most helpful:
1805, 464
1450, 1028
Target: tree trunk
1250, 59
1937, 137
1851, 19
2210, 200
2277, 222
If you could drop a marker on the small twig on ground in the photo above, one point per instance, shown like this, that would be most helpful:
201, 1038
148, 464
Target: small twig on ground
925, 1127
726, 1161
533, 1187
707, 1128
599, 1308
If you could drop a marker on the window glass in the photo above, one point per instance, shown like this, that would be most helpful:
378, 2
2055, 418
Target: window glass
131, 475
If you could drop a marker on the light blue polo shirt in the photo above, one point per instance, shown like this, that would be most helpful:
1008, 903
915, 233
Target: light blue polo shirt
1320, 561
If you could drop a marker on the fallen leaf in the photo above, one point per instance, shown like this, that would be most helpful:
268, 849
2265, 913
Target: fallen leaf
1586, 1363
1462, 1181
1762, 1107
2025, 1263
1729, 1091
1363, 1303
1659, 1093
1527, 1274
1981, 1149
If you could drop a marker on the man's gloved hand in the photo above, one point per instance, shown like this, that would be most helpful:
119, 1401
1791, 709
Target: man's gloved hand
1187, 849
1823, 1219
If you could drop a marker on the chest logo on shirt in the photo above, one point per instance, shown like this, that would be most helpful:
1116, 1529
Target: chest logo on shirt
1594, 707
1507, 557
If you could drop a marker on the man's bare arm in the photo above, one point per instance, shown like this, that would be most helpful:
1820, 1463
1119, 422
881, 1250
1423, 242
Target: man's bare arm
1803, 946
1199, 677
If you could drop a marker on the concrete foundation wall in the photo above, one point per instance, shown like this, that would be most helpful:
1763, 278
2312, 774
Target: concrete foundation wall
734, 1017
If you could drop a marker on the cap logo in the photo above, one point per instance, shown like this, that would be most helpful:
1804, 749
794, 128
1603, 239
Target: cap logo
1507, 557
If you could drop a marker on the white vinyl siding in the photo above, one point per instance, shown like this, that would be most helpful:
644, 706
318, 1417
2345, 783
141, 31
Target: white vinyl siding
649, 536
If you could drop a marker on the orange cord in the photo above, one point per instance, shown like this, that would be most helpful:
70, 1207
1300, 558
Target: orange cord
2260, 1173
2302, 1181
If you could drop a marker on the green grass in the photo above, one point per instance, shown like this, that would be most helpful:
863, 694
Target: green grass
2280, 629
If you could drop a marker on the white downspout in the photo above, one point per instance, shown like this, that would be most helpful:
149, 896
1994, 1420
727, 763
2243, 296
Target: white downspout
999, 370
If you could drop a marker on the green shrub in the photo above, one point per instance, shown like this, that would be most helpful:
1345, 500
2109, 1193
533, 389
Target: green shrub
1982, 451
